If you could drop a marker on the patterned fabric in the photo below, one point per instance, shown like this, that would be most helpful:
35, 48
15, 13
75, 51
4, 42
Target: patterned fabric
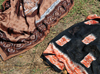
30, 6
89, 39
88, 60
77, 48
25, 23
60, 60
62, 41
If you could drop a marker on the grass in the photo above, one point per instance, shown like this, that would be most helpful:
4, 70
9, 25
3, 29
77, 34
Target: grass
83, 8
1, 3
30, 61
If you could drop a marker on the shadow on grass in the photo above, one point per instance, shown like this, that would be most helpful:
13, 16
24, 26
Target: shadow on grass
4, 6
1, 8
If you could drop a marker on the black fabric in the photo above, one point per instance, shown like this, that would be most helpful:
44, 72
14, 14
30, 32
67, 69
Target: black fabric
53, 66
76, 49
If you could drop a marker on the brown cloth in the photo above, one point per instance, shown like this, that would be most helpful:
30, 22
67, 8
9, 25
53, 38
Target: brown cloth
25, 23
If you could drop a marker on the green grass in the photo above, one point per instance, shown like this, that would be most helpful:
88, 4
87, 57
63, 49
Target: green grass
1, 1
83, 8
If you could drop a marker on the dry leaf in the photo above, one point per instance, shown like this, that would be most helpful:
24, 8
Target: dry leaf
64, 72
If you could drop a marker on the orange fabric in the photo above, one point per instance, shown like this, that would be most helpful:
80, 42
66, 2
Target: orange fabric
90, 17
60, 60
88, 60
90, 38
91, 22
62, 41
52, 58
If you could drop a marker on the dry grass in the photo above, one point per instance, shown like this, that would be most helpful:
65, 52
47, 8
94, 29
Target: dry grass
30, 61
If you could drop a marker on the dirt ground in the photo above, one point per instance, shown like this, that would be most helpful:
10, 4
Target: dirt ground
30, 61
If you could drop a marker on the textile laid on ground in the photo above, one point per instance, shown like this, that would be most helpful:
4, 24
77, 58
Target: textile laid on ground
77, 48
25, 23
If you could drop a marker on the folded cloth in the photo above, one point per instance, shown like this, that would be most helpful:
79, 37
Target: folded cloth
77, 48
25, 23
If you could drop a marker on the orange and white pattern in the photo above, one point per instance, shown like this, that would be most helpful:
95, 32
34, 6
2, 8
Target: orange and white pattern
60, 60
52, 58
90, 38
91, 19
62, 41
88, 60
91, 22
94, 16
